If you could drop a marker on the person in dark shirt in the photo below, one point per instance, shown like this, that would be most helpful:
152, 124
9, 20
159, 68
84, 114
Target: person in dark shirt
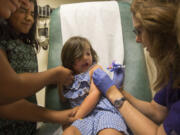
154, 26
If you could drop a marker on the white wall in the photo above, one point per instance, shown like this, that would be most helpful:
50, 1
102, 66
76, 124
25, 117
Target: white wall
56, 3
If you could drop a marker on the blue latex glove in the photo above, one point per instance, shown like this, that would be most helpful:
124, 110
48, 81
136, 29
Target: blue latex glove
102, 80
118, 76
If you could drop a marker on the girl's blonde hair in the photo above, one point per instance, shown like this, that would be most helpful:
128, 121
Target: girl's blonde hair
73, 49
158, 19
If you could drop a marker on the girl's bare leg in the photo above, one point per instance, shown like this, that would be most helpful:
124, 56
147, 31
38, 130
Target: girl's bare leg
110, 131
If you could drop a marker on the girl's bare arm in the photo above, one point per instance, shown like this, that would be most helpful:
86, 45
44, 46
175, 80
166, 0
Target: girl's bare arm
91, 100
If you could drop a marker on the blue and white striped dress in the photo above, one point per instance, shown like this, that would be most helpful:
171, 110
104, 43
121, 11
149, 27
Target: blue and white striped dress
104, 115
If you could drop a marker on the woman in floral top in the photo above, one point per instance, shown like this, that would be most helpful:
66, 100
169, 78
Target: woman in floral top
23, 85
18, 50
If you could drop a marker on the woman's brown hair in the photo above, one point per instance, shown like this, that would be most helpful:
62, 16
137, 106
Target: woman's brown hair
158, 19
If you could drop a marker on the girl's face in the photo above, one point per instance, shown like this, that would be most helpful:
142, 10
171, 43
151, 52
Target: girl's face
82, 64
23, 19
141, 34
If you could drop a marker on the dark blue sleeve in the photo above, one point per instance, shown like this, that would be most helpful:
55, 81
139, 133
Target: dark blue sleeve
172, 122
160, 96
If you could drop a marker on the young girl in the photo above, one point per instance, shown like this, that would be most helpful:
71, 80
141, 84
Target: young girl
95, 115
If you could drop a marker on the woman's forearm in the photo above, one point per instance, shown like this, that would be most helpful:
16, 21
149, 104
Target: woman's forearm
22, 85
143, 106
24, 110
151, 109
15, 86
137, 122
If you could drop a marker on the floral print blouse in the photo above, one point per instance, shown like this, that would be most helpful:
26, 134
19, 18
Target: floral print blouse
22, 58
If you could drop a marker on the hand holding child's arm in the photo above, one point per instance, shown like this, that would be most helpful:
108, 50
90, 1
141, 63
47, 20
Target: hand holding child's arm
65, 77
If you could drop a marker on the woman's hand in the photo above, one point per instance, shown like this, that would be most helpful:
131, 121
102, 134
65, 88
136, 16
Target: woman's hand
72, 114
102, 80
65, 76
25, 2
118, 76
67, 116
